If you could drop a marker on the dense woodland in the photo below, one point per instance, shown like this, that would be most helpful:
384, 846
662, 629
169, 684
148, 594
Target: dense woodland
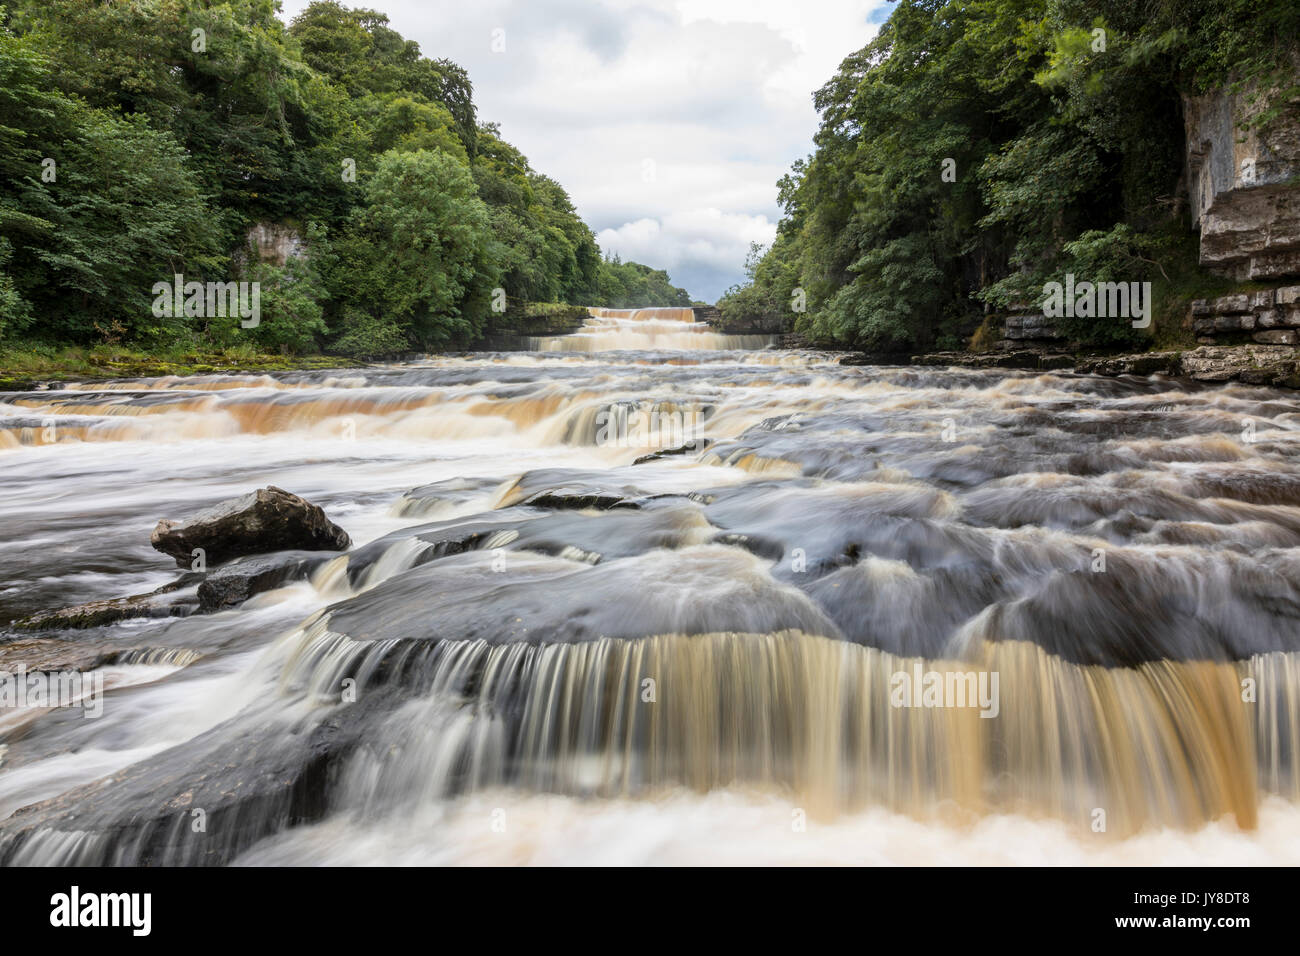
140, 140
1067, 154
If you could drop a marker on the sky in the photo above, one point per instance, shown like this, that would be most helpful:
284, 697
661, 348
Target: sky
668, 122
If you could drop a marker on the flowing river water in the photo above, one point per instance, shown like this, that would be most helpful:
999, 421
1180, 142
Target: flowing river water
647, 593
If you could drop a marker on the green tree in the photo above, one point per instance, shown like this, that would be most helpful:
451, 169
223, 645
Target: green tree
421, 250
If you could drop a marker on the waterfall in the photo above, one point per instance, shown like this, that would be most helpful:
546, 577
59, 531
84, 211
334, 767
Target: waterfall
652, 580
660, 329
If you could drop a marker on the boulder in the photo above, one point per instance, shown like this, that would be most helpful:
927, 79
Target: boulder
269, 519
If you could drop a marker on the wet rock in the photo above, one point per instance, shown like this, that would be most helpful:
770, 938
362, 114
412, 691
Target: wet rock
1017, 357
690, 448
248, 783
570, 489
54, 655
94, 614
876, 358
430, 498
1150, 363
100, 613
748, 325
1273, 361
269, 519
538, 599
887, 605
440, 539
811, 531
51, 654
589, 538
1141, 610
581, 496
239, 580
520, 324
755, 544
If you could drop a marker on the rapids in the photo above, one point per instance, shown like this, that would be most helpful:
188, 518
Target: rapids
644, 595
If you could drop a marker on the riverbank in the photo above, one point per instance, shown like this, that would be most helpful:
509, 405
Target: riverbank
1250, 364
1276, 366
25, 369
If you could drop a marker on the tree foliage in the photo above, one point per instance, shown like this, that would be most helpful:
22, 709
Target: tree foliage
143, 140
976, 148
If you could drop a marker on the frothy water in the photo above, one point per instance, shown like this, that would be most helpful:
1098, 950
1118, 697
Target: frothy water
651, 594
645, 329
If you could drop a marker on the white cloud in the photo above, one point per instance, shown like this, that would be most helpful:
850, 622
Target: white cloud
696, 246
717, 94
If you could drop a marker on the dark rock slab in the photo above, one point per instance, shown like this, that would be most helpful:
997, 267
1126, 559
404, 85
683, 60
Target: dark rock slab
236, 582
536, 599
248, 782
100, 613
667, 522
556, 488
690, 448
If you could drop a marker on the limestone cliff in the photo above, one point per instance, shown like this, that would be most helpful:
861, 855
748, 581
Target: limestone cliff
1241, 185
275, 243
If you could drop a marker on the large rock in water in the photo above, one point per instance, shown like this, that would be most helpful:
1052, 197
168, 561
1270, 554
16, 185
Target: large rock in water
269, 519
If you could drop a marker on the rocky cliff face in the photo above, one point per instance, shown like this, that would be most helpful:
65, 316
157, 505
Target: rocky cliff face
1030, 328
1269, 317
750, 325
1248, 215
275, 243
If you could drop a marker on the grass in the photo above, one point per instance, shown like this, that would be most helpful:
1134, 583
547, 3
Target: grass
25, 363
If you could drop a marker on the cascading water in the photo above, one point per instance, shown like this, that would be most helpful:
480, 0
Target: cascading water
652, 597
645, 330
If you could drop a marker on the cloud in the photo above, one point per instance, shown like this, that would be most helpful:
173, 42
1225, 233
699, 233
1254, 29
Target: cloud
681, 113
696, 246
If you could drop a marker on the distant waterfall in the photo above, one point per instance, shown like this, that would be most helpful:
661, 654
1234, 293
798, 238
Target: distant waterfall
674, 329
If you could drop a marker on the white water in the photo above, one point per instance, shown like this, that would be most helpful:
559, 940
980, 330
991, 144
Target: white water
645, 329
1154, 474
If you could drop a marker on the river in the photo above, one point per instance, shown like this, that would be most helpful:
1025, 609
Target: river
651, 594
